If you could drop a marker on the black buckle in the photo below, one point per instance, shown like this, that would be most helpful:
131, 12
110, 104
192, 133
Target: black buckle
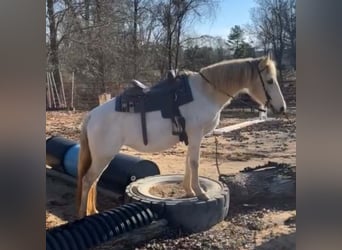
178, 125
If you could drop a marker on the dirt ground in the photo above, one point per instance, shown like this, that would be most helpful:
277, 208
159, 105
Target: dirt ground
253, 226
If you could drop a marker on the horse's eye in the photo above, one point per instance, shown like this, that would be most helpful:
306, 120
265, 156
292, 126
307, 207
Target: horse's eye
270, 81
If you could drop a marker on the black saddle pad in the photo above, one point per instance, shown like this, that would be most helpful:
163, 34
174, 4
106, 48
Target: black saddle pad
164, 96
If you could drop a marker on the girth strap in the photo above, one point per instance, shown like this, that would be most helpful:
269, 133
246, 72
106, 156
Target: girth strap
143, 122
178, 125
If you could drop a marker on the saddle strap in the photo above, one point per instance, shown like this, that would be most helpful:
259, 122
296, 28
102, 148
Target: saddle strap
143, 122
177, 120
179, 129
179, 124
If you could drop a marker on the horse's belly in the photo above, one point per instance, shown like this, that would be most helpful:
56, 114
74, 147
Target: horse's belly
153, 146
158, 131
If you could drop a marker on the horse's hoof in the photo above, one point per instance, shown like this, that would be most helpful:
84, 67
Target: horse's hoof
203, 197
189, 195
92, 212
81, 215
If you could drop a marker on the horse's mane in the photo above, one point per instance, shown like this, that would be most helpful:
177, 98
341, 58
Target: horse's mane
234, 71
186, 72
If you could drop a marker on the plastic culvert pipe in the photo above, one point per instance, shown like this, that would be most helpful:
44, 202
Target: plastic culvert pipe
95, 229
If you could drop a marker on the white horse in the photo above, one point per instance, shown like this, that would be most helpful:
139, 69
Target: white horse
105, 131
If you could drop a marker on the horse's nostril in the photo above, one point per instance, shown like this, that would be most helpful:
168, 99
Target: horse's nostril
282, 110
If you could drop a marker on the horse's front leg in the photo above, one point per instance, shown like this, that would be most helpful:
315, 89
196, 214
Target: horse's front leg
187, 178
194, 156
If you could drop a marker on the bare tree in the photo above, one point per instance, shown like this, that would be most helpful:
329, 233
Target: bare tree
290, 28
135, 33
274, 23
54, 18
175, 14
106, 41
141, 20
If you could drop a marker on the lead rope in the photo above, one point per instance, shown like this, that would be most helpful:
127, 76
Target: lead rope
220, 176
216, 158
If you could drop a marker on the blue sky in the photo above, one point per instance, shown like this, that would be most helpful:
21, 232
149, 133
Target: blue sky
228, 14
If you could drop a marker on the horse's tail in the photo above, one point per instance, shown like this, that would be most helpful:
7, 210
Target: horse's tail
84, 161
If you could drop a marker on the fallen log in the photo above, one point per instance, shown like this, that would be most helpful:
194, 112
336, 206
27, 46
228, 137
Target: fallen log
270, 182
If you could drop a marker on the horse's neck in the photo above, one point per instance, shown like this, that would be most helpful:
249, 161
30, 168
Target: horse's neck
219, 97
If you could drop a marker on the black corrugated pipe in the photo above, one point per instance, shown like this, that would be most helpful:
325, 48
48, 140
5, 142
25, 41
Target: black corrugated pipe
95, 229
62, 155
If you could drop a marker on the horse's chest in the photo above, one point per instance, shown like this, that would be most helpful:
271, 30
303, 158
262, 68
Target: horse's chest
211, 125
206, 120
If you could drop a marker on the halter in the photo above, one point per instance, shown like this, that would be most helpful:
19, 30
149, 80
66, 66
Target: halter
268, 97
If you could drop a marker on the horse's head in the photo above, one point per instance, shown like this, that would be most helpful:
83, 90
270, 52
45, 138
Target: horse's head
265, 90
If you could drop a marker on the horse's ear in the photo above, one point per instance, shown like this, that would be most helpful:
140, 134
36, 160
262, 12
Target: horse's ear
269, 55
263, 62
265, 59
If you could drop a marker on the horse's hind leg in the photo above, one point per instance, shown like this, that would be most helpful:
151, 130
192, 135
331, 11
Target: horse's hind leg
88, 200
91, 202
